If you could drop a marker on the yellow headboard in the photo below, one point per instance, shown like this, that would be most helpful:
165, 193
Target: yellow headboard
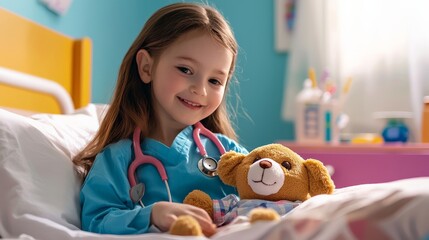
31, 48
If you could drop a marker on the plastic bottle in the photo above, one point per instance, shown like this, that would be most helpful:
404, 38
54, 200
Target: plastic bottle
425, 120
395, 131
309, 125
330, 116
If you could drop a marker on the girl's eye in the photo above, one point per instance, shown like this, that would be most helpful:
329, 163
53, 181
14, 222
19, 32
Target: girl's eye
184, 70
215, 81
286, 165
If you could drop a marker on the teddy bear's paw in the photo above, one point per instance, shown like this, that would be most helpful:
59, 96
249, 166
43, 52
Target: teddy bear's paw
263, 214
200, 199
186, 226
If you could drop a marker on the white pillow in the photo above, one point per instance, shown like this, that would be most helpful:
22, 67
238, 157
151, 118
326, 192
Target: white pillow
36, 172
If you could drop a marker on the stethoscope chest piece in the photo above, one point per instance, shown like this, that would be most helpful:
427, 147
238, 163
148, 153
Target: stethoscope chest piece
208, 166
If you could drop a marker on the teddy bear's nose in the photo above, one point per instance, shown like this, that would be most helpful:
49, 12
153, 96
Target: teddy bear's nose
265, 164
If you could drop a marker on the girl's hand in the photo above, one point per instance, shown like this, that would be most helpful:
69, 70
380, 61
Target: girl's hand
165, 213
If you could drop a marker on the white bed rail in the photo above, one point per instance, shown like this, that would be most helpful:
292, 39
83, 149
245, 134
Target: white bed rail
42, 85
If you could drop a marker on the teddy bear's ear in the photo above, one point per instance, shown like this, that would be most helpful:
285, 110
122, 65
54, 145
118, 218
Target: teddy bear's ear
320, 181
227, 166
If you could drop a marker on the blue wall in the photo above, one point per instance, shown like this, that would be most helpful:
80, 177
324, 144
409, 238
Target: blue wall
113, 25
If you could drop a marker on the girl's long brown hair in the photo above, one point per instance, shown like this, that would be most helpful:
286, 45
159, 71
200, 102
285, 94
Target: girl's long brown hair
131, 105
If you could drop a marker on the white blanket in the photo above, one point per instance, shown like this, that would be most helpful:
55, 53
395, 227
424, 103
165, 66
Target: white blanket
39, 193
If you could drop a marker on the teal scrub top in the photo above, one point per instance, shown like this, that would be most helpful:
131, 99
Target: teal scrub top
105, 200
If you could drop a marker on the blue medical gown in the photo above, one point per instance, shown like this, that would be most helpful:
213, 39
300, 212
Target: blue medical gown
105, 200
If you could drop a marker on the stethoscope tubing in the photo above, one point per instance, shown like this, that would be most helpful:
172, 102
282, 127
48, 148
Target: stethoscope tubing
199, 129
141, 159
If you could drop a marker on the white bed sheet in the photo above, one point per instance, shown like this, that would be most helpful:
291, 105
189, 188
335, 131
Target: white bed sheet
396, 210
39, 193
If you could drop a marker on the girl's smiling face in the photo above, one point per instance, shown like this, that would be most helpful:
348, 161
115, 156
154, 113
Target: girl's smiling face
188, 79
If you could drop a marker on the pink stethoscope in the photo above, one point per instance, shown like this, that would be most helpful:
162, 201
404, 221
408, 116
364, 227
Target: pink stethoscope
207, 165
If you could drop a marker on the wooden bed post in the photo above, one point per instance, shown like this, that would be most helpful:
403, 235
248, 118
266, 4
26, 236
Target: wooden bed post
82, 64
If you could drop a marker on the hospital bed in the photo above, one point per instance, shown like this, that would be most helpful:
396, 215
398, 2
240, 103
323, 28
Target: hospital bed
46, 117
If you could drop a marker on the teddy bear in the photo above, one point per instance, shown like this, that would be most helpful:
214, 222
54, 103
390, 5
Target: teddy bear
271, 180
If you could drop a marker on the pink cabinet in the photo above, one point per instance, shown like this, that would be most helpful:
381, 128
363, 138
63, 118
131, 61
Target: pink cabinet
360, 164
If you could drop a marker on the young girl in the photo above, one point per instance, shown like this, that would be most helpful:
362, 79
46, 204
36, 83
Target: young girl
174, 75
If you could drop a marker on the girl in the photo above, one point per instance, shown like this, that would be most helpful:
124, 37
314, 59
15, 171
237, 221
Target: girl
174, 75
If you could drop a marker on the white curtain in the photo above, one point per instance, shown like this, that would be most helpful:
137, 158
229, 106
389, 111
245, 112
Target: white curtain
382, 44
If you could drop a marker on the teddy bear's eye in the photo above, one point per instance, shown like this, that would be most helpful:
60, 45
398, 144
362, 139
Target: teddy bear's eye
286, 165
256, 159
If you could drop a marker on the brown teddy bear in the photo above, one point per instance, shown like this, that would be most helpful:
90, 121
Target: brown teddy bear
270, 180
